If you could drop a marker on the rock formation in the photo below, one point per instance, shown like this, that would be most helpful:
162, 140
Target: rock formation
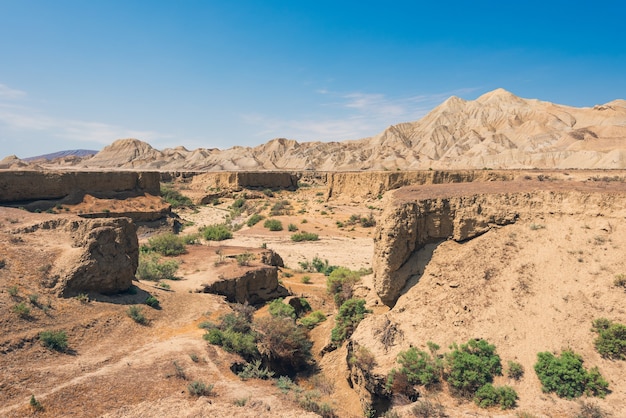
417, 216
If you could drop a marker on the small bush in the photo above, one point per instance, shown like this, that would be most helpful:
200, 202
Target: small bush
254, 219
54, 340
167, 244
611, 341
471, 366
233, 341
304, 236
164, 285
280, 309
152, 268
216, 232
305, 279
284, 343
427, 409
152, 302
82, 298
420, 367
35, 404
591, 410
489, 395
351, 312
340, 284
198, 388
33, 299
254, 370
190, 239
238, 203
312, 319
244, 258
285, 384
175, 198
292, 227
13, 291
515, 370
268, 192
368, 222
280, 208
273, 225
363, 359
566, 376
136, 314
22, 310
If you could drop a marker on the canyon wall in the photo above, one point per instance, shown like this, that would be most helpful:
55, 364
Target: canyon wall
24, 186
417, 216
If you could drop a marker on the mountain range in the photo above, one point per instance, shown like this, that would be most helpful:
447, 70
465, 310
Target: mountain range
497, 130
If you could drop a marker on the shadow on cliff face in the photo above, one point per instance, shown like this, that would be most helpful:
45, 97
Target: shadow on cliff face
415, 266
133, 296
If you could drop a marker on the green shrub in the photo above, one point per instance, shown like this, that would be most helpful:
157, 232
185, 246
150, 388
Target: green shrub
175, 198
280, 309
427, 409
285, 384
620, 281
304, 236
190, 239
152, 268
152, 302
255, 370
292, 227
340, 284
239, 203
136, 314
471, 366
35, 404
368, 222
283, 343
254, 219
216, 232
244, 258
273, 225
13, 291
167, 244
280, 208
198, 388
268, 192
419, 367
515, 370
351, 312
22, 310
611, 341
566, 376
232, 341
312, 319
305, 279
33, 299
489, 395
54, 340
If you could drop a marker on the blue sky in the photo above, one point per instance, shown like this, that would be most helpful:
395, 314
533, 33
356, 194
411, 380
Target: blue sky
214, 74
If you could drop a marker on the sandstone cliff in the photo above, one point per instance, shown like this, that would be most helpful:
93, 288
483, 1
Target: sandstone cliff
24, 186
417, 216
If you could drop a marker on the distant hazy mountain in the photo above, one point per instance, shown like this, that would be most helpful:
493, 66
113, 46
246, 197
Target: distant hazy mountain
497, 130
62, 154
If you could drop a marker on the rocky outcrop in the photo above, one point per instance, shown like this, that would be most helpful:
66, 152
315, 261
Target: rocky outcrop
25, 186
102, 255
417, 216
255, 285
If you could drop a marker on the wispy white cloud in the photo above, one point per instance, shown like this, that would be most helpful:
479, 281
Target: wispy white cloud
17, 119
354, 115
7, 92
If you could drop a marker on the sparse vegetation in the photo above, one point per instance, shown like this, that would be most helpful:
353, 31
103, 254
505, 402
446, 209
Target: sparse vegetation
35, 404
292, 227
419, 367
198, 388
363, 358
54, 340
566, 376
152, 302
82, 298
22, 310
305, 279
152, 268
280, 309
273, 225
591, 410
312, 319
340, 283
136, 314
611, 341
255, 370
244, 258
167, 244
351, 312
489, 395
13, 291
175, 198
515, 370
620, 281
427, 409
254, 219
304, 236
280, 208
216, 232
